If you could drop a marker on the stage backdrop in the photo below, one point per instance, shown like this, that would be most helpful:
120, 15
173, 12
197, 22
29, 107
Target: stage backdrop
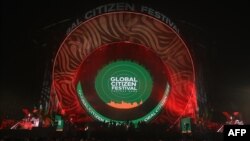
124, 66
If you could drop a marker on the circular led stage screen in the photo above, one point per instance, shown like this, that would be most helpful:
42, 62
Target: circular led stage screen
124, 66
116, 83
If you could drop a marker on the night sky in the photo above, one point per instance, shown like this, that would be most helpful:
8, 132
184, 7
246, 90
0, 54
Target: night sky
30, 31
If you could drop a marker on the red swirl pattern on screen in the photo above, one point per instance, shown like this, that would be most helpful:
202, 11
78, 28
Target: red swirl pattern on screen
132, 27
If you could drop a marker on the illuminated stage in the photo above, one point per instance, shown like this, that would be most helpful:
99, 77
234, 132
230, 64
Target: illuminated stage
121, 75
122, 45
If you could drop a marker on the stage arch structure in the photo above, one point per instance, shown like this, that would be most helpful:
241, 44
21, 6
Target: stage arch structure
122, 66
